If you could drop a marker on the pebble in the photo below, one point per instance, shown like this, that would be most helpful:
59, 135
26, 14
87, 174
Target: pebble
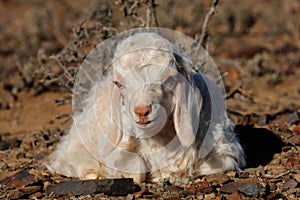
219, 178
248, 186
290, 184
204, 187
19, 180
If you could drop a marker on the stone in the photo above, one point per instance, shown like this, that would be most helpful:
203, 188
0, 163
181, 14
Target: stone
219, 178
249, 186
203, 187
296, 128
173, 188
250, 189
36, 195
142, 193
9, 144
290, 184
19, 193
295, 139
114, 187
297, 176
19, 180
243, 174
234, 196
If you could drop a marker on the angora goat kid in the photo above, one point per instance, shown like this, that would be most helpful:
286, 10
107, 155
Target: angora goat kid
148, 119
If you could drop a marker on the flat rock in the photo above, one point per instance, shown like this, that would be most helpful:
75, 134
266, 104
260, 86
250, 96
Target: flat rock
9, 144
142, 193
115, 187
19, 193
243, 174
203, 187
19, 180
173, 188
219, 178
234, 196
290, 184
248, 186
295, 139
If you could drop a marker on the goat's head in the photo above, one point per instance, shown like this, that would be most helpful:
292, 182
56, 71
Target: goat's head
151, 87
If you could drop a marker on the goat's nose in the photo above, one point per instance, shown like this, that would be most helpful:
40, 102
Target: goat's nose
142, 110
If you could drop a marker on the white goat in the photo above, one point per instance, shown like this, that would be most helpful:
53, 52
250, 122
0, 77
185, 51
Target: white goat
148, 119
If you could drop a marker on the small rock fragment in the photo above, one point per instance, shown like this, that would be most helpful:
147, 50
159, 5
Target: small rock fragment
264, 120
18, 193
191, 190
255, 171
293, 117
274, 195
296, 128
231, 174
234, 196
99, 196
8, 144
14, 194
250, 189
173, 188
210, 196
36, 195
142, 193
290, 184
243, 174
272, 186
29, 190
295, 139
230, 187
19, 180
297, 176
248, 186
219, 178
204, 187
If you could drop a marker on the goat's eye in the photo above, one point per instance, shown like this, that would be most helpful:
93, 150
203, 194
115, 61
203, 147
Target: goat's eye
118, 84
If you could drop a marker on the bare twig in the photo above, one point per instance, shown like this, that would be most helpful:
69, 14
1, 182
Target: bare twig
203, 36
242, 92
61, 102
61, 116
64, 68
24, 75
151, 14
140, 13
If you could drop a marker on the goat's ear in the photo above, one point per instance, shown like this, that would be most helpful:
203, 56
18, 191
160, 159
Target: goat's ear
188, 104
116, 109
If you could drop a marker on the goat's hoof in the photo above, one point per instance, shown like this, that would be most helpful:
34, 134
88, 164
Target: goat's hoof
90, 174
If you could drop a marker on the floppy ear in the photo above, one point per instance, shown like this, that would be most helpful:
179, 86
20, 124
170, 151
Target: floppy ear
115, 115
188, 104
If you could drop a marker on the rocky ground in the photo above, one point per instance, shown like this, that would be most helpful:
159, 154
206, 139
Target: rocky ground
255, 45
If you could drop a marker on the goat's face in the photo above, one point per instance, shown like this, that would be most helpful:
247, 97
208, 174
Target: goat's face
145, 96
151, 88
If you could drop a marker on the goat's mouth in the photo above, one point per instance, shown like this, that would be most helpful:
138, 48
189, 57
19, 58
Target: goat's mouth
143, 123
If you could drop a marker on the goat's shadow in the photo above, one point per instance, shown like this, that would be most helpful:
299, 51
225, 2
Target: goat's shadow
260, 144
